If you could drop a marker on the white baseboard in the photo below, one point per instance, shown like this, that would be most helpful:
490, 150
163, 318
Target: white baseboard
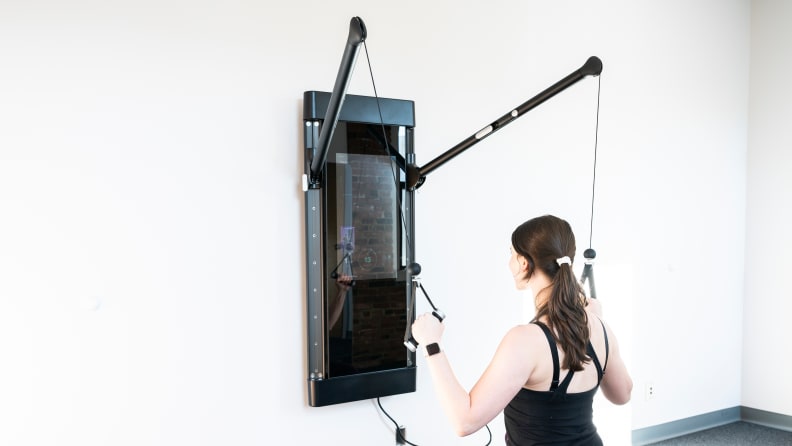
653, 434
673, 429
765, 418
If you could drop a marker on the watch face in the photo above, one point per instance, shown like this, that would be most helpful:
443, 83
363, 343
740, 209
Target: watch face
432, 349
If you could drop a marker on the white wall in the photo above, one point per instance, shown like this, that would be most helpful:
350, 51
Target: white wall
768, 301
151, 253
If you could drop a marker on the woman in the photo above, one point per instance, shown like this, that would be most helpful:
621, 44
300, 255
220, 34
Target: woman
544, 374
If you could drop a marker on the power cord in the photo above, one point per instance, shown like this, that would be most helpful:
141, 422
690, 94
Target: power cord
404, 440
395, 424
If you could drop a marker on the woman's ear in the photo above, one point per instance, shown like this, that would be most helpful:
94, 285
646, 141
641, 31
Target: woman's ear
525, 265
530, 267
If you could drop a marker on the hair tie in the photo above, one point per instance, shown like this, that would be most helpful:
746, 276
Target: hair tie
563, 260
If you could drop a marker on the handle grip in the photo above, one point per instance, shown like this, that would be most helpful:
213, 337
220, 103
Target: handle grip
411, 343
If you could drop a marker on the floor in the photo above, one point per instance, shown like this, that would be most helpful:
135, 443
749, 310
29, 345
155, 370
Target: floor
734, 434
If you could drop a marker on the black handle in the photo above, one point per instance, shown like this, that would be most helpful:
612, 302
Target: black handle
411, 343
588, 272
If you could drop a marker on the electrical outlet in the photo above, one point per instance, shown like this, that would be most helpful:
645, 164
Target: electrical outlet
649, 391
401, 435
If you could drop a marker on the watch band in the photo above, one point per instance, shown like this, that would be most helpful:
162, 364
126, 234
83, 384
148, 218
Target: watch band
432, 349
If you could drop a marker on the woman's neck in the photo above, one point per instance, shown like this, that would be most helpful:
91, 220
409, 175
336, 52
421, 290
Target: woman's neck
541, 295
541, 287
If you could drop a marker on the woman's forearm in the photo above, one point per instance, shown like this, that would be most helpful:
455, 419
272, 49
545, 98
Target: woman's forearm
454, 399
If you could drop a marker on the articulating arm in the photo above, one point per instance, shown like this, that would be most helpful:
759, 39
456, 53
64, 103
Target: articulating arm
417, 175
357, 34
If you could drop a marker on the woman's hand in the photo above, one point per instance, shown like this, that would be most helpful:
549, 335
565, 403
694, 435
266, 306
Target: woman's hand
427, 329
343, 283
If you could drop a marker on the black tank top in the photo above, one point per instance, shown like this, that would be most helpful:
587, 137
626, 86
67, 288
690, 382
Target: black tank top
555, 417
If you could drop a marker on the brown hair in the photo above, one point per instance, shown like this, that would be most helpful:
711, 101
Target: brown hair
542, 241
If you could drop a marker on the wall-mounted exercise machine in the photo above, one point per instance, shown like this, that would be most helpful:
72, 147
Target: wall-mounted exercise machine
361, 276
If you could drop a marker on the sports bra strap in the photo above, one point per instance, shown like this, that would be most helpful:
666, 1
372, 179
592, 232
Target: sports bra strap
593, 355
607, 347
589, 350
554, 352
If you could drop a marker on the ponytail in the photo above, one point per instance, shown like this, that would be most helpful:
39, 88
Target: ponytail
548, 243
566, 316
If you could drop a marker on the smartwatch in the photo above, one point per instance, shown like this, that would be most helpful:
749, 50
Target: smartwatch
432, 349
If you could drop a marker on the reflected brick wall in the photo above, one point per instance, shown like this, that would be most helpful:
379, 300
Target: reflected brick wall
379, 318
379, 310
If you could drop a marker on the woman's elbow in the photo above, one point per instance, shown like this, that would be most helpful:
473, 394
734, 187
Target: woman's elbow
464, 429
465, 432
621, 395
621, 399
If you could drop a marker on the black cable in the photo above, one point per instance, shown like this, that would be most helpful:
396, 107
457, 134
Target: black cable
395, 424
427, 296
386, 143
405, 229
398, 431
594, 175
406, 232
346, 256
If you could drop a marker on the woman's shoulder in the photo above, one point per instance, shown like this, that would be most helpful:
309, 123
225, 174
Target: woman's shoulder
521, 348
525, 335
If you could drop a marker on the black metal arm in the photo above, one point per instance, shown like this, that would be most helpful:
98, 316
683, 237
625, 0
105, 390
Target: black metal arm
417, 175
357, 34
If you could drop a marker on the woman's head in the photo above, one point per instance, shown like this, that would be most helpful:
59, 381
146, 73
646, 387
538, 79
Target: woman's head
547, 246
542, 241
